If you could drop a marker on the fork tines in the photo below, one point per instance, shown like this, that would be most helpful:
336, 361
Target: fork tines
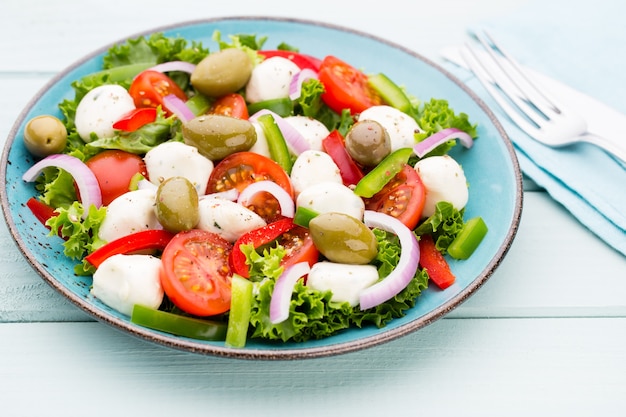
520, 98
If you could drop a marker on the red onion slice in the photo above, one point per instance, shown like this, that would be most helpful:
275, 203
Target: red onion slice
404, 272
178, 107
86, 181
182, 66
440, 137
295, 141
287, 206
281, 297
295, 87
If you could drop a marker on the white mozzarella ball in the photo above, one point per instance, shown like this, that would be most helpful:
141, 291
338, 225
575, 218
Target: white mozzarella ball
444, 180
122, 281
99, 109
131, 212
313, 167
327, 196
346, 282
227, 218
260, 146
400, 126
177, 159
270, 79
312, 130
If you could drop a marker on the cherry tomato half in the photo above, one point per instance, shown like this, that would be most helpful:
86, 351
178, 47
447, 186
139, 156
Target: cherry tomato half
303, 61
149, 88
114, 170
233, 105
402, 197
195, 274
241, 169
295, 239
345, 87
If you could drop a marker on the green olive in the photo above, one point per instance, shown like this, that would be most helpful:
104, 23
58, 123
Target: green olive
342, 238
45, 135
216, 136
223, 72
368, 142
177, 205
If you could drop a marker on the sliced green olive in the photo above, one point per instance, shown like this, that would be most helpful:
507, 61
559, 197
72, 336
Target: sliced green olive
45, 135
368, 142
342, 238
177, 205
223, 72
218, 136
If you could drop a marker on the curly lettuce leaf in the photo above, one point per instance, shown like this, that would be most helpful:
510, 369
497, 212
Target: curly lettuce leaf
444, 225
312, 314
81, 235
155, 49
436, 115
310, 104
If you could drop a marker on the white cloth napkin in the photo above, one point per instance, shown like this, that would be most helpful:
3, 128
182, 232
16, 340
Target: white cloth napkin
580, 43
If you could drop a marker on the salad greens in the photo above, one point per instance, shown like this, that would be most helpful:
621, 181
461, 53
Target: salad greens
312, 313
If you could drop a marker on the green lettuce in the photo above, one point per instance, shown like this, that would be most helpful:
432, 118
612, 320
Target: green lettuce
312, 314
444, 225
436, 115
81, 235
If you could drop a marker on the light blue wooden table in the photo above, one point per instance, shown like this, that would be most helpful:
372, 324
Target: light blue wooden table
546, 335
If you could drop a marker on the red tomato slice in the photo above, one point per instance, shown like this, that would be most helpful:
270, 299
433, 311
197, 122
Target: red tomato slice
114, 170
233, 105
434, 263
402, 197
149, 88
195, 274
345, 87
303, 61
295, 239
135, 119
243, 168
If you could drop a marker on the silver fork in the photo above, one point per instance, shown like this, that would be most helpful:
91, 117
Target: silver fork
524, 102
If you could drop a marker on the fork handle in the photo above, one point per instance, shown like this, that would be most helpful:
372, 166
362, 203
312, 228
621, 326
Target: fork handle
617, 149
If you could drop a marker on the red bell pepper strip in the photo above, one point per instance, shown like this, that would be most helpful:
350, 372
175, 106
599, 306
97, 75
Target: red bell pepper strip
434, 263
146, 239
40, 210
257, 238
135, 119
334, 146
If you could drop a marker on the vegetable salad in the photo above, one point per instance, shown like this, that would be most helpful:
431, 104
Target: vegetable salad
249, 192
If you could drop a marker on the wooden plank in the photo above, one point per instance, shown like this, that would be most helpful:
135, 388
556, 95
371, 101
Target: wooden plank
469, 367
53, 37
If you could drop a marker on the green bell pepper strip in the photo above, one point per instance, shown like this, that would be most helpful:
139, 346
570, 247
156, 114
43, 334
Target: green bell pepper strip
119, 74
303, 216
281, 106
468, 239
276, 142
377, 178
240, 312
178, 325
198, 104
390, 92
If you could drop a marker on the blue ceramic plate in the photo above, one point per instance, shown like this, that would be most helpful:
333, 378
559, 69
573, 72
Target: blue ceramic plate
490, 166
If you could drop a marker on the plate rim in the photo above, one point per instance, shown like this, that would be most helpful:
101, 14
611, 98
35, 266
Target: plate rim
188, 345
